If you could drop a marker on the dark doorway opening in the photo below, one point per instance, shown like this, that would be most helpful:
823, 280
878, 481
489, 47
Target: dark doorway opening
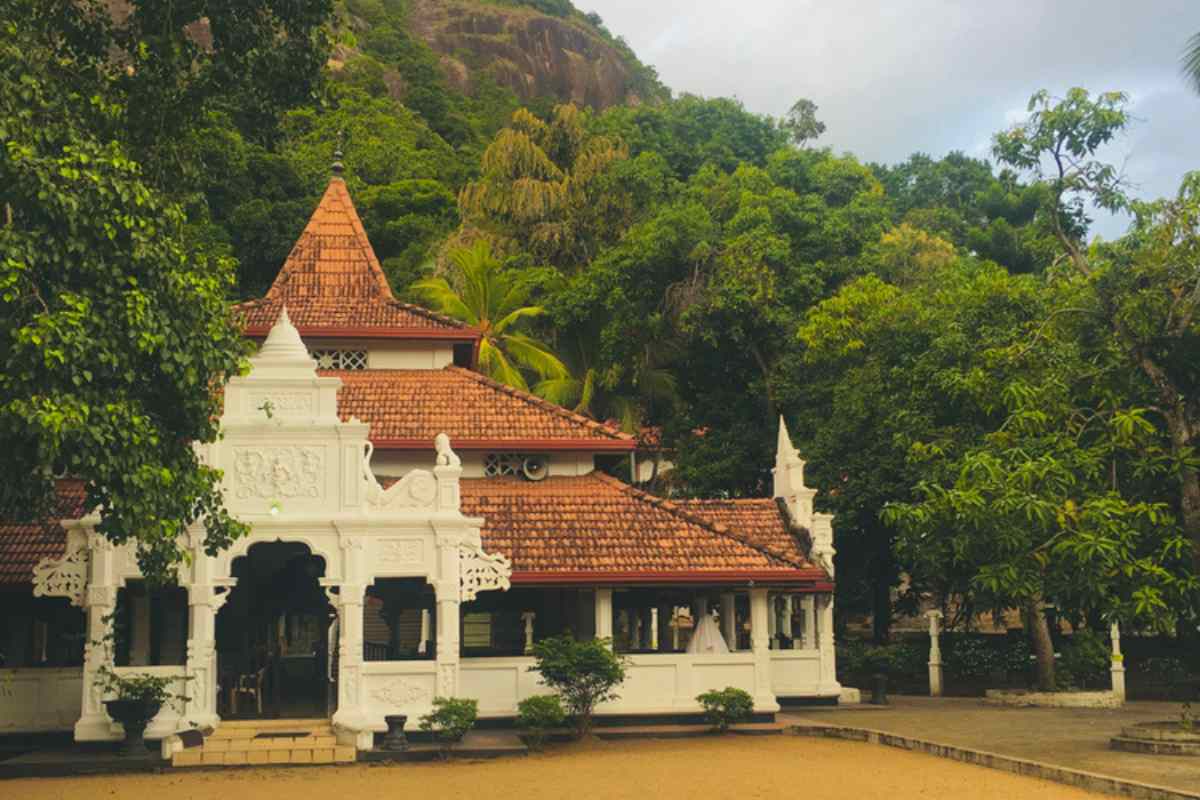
274, 648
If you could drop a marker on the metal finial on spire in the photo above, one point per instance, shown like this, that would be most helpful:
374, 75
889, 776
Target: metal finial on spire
337, 156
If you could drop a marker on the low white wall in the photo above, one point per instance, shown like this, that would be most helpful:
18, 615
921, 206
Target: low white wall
796, 673
39, 699
398, 687
654, 684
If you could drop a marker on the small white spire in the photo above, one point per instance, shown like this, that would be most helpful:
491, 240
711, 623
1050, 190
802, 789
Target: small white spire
283, 350
789, 479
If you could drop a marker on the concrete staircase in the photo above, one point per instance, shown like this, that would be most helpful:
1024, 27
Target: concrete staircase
276, 741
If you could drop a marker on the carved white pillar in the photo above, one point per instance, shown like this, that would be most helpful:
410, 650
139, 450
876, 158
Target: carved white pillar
604, 614
528, 618
654, 628
729, 619
1118, 663
423, 645
760, 641
99, 602
829, 684
935, 653
810, 622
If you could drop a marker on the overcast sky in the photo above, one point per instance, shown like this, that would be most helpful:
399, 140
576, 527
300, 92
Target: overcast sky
891, 77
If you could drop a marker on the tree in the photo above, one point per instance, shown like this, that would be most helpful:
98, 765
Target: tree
584, 674
801, 122
495, 301
1146, 288
1191, 62
114, 328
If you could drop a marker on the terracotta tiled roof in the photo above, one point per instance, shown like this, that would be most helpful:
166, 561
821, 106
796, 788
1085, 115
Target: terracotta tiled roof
594, 528
760, 520
332, 283
24, 544
407, 408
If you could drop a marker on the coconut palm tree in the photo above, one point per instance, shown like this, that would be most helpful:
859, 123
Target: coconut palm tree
496, 301
626, 394
1191, 62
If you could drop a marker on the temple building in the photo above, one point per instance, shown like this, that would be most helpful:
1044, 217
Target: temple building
415, 528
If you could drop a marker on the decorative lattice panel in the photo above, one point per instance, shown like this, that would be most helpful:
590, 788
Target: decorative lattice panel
497, 464
340, 359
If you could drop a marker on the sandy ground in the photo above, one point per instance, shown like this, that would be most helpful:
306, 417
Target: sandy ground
739, 767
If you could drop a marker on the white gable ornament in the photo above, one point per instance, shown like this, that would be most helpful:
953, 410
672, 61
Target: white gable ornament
481, 572
63, 577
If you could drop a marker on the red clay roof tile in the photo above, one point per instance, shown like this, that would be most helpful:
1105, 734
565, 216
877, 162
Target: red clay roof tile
407, 408
594, 526
24, 544
332, 281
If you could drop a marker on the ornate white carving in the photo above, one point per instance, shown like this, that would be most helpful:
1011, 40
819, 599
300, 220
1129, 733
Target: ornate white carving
270, 472
481, 572
400, 693
417, 489
285, 404
400, 552
63, 577
445, 456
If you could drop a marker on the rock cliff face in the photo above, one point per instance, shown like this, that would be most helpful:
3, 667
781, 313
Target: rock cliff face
533, 54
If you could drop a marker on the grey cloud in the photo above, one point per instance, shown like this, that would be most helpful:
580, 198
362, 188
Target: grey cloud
895, 76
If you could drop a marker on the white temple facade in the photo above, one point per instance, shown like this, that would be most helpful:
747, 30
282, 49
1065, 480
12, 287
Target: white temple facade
403, 556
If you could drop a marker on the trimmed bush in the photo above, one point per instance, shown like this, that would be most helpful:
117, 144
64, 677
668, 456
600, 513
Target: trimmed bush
538, 715
584, 674
726, 707
1083, 662
451, 718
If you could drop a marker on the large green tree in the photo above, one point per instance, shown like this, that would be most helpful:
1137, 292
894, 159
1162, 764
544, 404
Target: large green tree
1146, 289
114, 328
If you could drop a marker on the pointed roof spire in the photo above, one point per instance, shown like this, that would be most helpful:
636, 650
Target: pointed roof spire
783, 445
332, 281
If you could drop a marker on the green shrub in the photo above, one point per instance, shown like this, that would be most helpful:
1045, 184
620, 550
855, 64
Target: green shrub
539, 714
1083, 662
583, 673
451, 718
726, 707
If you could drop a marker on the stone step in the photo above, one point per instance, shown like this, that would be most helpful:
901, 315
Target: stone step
200, 757
315, 739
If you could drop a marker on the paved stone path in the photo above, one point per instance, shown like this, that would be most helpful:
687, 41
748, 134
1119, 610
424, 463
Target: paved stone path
1075, 738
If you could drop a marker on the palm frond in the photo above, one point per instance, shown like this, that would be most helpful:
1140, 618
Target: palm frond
518, 314
444, 299
533, 355
560, 391
497, 366
1190, 63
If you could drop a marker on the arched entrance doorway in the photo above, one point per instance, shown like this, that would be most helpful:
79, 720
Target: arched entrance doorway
274, 636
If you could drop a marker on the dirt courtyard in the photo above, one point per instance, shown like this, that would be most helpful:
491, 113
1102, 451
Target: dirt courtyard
742, 767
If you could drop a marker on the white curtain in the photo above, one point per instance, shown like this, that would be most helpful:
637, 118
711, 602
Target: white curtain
707, 638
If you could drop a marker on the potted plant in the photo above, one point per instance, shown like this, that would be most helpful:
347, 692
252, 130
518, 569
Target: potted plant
134, 699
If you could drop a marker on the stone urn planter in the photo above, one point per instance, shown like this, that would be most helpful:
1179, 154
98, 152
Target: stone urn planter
395, 739
1159, 738
134, 715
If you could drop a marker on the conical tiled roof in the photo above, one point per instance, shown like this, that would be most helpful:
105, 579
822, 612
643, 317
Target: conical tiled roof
333, 285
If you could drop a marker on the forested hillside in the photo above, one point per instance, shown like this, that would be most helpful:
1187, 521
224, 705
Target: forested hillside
988, 402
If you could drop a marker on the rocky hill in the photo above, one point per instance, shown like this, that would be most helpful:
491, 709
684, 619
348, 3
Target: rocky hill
541, 50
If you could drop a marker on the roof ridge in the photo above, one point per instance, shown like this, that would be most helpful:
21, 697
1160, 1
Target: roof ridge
675, 508
431, 314
539, 402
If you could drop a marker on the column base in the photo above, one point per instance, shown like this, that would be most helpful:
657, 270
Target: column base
97, 728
